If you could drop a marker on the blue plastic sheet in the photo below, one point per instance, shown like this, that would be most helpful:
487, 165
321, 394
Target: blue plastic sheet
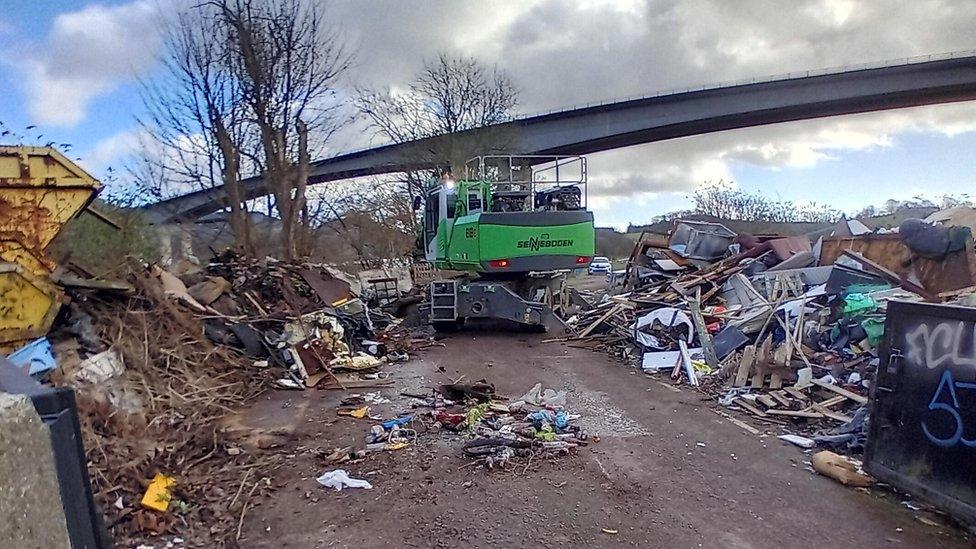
36, 356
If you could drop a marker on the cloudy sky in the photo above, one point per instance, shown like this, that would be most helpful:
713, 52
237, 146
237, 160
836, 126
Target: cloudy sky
72, 68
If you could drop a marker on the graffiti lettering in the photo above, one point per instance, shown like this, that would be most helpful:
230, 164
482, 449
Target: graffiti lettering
933, 346
956, 426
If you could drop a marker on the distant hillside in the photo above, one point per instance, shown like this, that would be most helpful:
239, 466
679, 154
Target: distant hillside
785, 228
612, 243
750, 227
894, 219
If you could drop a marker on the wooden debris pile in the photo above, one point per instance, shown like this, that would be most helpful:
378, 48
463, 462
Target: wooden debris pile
766, 331
186, 354
608, 325
160, 415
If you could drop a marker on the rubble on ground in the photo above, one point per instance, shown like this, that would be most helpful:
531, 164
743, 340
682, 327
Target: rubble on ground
493, 430
159, 364
784, 330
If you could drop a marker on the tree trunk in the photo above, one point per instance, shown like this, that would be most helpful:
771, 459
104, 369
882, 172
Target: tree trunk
295, 183
240, 223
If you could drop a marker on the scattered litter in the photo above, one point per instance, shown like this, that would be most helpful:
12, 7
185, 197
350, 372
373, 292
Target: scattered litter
338, 479
375, 398
358, 413
36, 357
288, 383
99, 368
158, 496
548, 397
840, 469
802, 442
928, 522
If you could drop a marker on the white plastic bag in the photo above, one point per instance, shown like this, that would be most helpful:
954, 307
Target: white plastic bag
338, 478
548, 397
668, 316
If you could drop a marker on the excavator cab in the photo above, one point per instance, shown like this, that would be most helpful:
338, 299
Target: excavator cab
509, 214
516, 221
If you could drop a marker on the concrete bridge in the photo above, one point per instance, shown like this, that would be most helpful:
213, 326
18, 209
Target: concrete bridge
610, 125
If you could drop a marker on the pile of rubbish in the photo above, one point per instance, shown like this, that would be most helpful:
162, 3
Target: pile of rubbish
535, 425
303, 317
159, 362
495, 431
784, 329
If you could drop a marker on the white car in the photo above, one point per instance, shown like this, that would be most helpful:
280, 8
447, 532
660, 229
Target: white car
599, 265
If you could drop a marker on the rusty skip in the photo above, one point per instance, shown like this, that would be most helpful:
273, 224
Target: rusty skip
40, 190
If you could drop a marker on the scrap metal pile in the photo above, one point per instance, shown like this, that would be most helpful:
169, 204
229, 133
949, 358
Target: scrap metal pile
784, 329
161, 363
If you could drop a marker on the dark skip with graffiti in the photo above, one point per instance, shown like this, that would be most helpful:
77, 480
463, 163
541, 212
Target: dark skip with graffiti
922, 431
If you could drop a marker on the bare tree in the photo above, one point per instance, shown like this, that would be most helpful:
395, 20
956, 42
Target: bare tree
728, 202
372, 219
287, 62
452, 94
195, 117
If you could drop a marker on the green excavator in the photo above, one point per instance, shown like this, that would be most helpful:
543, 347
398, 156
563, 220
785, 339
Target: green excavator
516, 225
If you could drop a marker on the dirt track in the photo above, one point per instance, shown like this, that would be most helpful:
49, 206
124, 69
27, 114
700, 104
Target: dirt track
648, 478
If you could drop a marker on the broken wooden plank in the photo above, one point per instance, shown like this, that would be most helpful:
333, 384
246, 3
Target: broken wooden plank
613, 310
836, 416
759, 378
889, 275
795, 413
770, 421
841, 391
781, 397
832, 401
739, 423
752, 409
762, 359
766, 401
745, 364
797, 394
704, 337
710, 293
676, 371
955, 293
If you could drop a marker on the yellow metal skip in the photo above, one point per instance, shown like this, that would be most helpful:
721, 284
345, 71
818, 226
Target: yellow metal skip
40, 190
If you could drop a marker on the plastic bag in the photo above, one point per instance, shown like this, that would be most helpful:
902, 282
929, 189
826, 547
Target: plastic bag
338, 479
670, 318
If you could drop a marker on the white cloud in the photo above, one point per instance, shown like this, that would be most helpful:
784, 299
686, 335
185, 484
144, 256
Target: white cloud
108, 152
88, 53
562, 54
680, 165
